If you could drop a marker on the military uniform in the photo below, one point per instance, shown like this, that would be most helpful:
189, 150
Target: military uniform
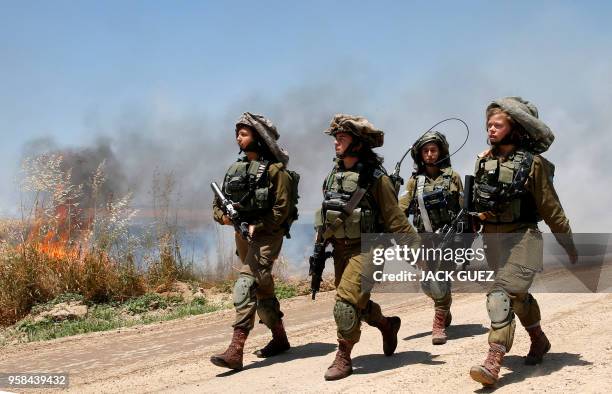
440, 200
264, 193
268, 211
377, 211
513, 194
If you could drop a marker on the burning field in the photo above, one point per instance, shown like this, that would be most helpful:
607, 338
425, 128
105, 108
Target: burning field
79, 242
74, 237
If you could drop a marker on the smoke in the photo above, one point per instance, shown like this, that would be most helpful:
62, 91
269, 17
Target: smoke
197, 147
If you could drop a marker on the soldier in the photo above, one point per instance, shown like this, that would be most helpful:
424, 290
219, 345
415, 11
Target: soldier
358, 168
513, 191
433, 197
261, 184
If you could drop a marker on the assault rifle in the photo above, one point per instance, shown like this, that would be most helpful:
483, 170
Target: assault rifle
340, 202
464, 222
317, 265
229, 208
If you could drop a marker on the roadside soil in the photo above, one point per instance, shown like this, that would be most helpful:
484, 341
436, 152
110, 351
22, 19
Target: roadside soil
173, 356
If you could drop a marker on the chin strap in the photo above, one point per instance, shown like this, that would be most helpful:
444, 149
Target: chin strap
350, 150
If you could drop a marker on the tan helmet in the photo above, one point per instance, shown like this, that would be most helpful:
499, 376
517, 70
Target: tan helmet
358, 126
267, 131
431, 136
526, 115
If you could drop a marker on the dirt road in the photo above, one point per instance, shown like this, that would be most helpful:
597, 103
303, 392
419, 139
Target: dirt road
173, 356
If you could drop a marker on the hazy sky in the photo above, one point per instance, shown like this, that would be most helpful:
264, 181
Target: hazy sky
161, 83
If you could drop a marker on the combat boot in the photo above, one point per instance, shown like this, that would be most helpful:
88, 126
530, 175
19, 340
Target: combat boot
539, 345
342, 365
488, 372
232, 357
389, 326
442, 319
277, 345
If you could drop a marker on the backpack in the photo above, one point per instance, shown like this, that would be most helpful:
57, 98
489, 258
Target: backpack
294, 179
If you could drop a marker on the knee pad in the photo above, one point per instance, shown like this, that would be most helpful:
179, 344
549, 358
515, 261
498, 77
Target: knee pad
346, 316
499, 308
242, 290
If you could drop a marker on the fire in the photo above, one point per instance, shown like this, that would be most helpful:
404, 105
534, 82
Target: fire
57, 246
62, 239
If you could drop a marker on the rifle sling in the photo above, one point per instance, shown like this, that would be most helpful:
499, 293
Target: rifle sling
424, 215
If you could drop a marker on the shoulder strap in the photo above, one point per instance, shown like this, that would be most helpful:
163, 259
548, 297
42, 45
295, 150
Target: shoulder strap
447, 176
420, 185
255, 170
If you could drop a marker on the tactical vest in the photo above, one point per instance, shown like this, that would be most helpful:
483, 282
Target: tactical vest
441, 205
499, 187
338, 188
247, 183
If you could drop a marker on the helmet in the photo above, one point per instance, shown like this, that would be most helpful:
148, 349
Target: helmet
267, 131
357, 126
431, 136
540, 136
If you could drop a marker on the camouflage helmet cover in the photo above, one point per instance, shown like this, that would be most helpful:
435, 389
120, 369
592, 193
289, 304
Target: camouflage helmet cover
431, 136
267, 131
526, 115
358, 126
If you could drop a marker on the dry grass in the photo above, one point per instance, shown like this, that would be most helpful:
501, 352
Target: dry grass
73, 239
60, 245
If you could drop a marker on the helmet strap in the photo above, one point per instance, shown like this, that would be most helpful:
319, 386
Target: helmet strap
351, 150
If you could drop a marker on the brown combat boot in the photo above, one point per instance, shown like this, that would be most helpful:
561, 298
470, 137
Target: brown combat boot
232, 357
442, 319
389, 326
488, 372
539, 345
277, 345
342, 365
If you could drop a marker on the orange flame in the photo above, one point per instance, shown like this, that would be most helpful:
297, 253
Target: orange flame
61, 241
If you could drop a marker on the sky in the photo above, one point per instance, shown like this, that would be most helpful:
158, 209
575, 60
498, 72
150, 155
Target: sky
159, 84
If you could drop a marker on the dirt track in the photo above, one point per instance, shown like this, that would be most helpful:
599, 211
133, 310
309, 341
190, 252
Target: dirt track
173, 356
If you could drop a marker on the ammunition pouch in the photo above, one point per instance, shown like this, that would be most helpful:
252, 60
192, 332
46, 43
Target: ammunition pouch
246, 184
500, 188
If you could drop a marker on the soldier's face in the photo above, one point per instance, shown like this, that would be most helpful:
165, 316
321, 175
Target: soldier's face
498, 127
430, 153
244, 137
342, 141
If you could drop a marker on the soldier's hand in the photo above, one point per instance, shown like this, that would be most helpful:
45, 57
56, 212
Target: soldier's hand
226, 220
251, 229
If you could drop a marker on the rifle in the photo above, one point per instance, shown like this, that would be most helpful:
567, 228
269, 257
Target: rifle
317, 264
319, 255
229, 208
464, 222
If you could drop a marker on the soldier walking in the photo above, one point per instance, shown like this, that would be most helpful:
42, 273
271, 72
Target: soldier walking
433, 198
357, 170
261, 188
513, 191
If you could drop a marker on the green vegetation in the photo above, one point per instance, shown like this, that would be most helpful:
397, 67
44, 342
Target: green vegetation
147, 309
285, 290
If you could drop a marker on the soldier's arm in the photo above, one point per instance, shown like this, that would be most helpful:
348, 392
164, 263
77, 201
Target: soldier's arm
281, 188
540, 184
393, 217
457, 188
406, 198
